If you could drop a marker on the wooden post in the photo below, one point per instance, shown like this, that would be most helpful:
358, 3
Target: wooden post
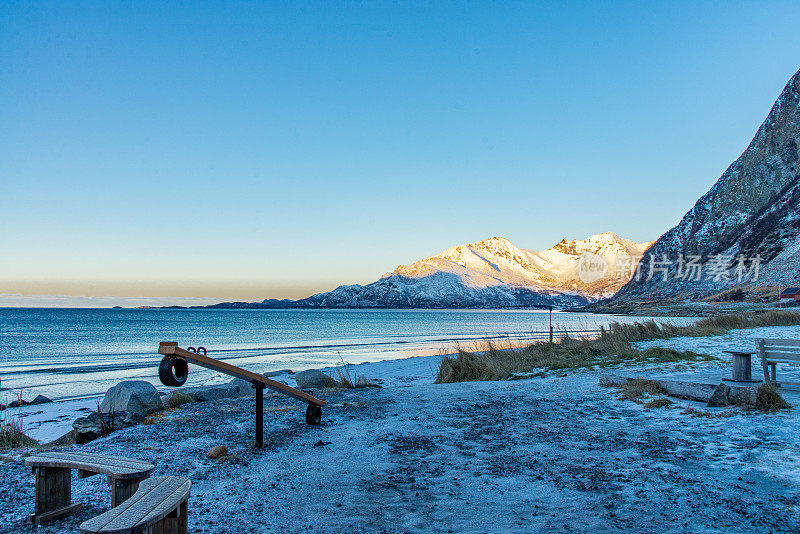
53, 494
259, 413
762, 355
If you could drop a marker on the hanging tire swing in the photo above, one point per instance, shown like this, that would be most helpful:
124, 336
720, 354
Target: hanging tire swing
173, 372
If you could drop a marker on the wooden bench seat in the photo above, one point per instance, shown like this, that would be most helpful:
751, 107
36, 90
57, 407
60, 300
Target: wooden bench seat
159, 506
53, 472
774, 351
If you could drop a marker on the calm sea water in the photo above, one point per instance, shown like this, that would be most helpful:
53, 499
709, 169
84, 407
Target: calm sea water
67, 353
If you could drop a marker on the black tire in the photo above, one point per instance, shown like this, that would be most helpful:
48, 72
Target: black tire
313, 414
173, 371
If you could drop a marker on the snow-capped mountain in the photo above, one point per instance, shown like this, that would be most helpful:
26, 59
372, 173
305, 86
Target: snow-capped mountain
753, 211
492, 273
496, 261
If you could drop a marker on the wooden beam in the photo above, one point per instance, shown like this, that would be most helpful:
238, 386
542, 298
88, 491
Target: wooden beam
782, 355
171, 348
780, 342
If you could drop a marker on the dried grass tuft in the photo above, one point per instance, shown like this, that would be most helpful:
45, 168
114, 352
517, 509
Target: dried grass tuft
345, 379
660, 402
179, 398
769, 400
612, 347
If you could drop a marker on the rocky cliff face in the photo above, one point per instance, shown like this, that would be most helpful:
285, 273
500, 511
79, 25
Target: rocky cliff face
751, 212
492, 273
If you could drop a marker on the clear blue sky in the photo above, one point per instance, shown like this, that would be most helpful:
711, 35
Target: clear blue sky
252, 150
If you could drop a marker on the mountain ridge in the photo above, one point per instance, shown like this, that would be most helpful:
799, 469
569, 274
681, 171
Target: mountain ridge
491, 273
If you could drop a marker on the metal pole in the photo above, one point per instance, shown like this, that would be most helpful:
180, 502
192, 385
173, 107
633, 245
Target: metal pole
259, 414
551, 324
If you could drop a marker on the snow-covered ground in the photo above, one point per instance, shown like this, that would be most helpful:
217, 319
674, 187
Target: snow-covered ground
47, 422
553, 454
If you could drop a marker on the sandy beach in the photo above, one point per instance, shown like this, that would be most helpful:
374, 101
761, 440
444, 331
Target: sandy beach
552, 454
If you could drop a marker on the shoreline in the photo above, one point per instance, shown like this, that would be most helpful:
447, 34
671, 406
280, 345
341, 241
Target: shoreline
554, 453
50, 421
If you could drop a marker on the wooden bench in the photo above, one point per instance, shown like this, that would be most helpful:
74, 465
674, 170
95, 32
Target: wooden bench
159, 506
53, 472
772, 351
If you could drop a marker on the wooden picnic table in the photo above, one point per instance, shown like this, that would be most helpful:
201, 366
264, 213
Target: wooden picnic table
53, 472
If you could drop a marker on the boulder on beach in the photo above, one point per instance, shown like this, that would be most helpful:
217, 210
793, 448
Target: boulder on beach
312, 379
95, 425
136, 397
235, 388
207, 393
239, 387
70, 438
719, 398
41, 399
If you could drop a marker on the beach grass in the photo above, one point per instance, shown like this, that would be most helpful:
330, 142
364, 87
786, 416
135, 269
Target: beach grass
347, 379
12, 435
612, 347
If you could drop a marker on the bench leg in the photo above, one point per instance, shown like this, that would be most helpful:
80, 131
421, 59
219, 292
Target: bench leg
122, 489
176, 522
772, 366
53, 494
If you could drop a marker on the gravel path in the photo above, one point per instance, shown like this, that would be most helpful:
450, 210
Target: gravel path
541, 455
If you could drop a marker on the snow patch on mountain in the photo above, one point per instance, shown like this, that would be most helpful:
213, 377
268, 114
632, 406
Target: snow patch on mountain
496, 261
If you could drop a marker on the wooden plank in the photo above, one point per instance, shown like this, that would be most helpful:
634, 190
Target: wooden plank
154, 500
101, 522
168, 503
786, 348
116, 466
783, 356
171, 349
94, 458
86, 465
781, 342
55, 514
